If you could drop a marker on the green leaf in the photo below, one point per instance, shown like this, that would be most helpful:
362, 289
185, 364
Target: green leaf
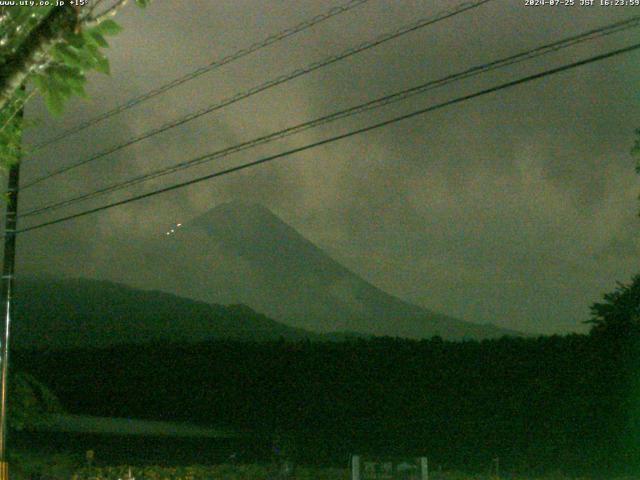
70, 56
75, 78
97, 59
66, 71
55, 103
89, 56
142, 3
99, 39
60, 86
93, 36
74, 39
103, 65
109, 27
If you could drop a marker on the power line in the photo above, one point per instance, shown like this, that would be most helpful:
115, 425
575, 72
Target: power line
375, 126
424, 22
421, 23
270, 40
590, 35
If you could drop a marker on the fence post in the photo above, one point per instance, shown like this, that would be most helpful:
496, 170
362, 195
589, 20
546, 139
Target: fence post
424, 468
355, 467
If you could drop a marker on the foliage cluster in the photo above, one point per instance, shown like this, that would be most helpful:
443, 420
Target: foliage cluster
80, 52
30, 402
619, 313
27, 465
53, 47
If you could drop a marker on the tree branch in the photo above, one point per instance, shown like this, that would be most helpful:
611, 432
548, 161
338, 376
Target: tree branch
18, 107
109, 12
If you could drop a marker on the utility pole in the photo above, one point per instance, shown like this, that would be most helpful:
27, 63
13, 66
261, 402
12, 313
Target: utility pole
6, 295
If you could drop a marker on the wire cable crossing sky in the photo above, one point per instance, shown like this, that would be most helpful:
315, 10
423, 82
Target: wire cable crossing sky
406, 29
270, 40
587, 36
413, 114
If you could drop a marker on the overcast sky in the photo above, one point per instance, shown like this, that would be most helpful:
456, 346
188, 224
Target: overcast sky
517, 208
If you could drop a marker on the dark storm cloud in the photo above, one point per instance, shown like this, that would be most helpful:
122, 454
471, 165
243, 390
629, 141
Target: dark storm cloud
516, 208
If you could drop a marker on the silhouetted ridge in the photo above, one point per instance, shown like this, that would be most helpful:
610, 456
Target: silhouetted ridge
55, 313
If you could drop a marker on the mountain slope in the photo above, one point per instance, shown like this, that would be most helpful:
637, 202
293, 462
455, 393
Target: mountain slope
86, 313
240, 252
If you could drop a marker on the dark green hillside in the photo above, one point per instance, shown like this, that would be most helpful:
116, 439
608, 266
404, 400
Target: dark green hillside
54, 313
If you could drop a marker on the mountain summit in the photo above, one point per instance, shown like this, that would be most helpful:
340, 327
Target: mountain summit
247, 254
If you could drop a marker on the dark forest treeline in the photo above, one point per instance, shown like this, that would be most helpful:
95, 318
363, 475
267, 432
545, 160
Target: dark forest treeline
539, 404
